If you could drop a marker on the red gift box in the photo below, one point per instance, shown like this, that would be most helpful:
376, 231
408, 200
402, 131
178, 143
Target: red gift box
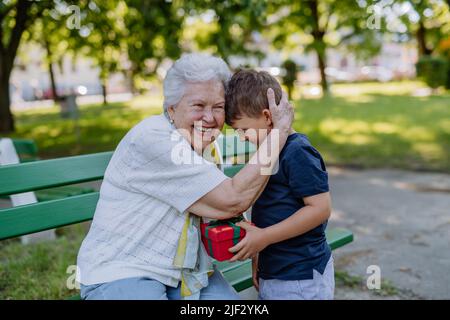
220, 235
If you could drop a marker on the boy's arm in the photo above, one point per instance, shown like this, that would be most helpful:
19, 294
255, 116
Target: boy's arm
317, 210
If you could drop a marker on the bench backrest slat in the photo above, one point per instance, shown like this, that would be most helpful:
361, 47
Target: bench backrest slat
31, 176
26, 149
232, 170
21, 220
46, 215
231, 146
46, 174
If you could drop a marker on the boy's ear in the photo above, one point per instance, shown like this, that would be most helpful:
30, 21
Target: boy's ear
267, 116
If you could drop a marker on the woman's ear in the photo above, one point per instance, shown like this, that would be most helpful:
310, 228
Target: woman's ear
267, 116
170, 111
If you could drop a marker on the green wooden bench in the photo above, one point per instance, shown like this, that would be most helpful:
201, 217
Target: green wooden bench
38, 175
27, 151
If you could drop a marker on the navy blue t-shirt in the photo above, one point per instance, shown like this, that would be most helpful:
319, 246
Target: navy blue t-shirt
301, 173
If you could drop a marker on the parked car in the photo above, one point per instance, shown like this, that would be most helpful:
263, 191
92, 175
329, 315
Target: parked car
78, 90
377, 73
336, 75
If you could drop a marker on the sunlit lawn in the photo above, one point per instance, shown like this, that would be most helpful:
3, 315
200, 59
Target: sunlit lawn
379, 125
362, 125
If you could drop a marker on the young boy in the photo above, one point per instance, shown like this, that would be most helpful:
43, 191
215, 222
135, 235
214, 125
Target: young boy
290, 215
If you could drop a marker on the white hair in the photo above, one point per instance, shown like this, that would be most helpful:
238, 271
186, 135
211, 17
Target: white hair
192, 67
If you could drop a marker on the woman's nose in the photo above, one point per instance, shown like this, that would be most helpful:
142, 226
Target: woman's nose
208, 116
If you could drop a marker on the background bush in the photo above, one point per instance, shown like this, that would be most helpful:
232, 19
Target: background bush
433, 71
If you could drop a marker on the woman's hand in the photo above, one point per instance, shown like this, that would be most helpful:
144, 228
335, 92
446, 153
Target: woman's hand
283, 113
253, 242
233, 196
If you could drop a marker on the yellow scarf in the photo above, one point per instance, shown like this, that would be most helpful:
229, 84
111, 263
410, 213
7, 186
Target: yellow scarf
191, 256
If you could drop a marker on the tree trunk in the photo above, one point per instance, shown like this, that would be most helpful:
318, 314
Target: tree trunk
8, 53
132, 82
422, 48
322, 65
318, 34
289, 88
6, 117
104, 92
51, 72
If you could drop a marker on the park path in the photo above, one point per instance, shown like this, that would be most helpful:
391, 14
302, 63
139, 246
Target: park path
401, 223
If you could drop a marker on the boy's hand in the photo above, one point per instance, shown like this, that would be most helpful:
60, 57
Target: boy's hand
253, 242
255, 272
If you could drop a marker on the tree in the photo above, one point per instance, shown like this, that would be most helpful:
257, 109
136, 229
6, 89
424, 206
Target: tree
141, 32
290, 75
15, 18
428, 21
152, 33
49, 31
101, 38
236, 25
432, 15
325, 23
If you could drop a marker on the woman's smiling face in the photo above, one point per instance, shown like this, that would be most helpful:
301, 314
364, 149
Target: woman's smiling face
200, 114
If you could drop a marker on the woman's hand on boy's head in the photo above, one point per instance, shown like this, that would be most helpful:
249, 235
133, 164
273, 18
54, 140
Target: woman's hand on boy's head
253, 242
283, 113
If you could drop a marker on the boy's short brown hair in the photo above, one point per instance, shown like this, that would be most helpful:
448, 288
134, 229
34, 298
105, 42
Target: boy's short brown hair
246, 94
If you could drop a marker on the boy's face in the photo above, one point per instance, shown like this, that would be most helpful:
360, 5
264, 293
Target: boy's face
253, 129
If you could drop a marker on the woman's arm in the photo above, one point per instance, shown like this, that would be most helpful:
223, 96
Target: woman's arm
234, 196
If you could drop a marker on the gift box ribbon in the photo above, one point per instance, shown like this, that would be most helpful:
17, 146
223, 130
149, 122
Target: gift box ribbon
229, 222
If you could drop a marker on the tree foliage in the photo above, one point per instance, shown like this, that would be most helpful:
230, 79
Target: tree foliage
325, 24
237, 25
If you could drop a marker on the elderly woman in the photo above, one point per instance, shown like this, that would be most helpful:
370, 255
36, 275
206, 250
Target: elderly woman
144, 241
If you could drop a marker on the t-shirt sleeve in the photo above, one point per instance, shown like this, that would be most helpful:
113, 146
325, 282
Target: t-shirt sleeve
306, 172
165, 167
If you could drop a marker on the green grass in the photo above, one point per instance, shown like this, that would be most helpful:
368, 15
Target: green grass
344, 279
40, 271
367, 125
99, 128
379, 125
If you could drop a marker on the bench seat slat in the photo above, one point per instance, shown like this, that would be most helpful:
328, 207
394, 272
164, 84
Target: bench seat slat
31, 176
240, 277
41, 216
338, 237
239, 274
